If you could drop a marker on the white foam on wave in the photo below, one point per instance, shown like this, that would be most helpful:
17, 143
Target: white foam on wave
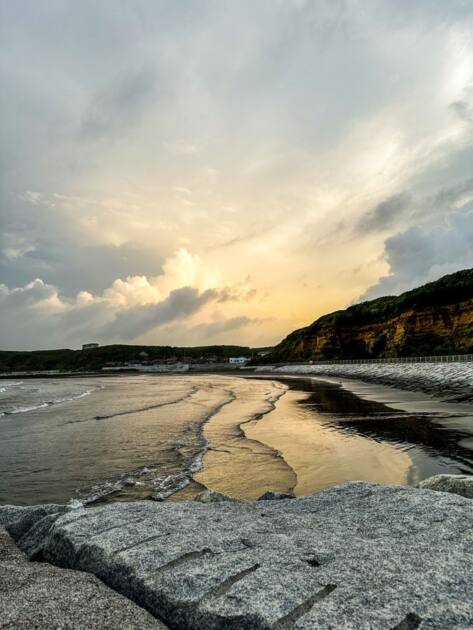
160, 486
6, 386
49, 403
26, 409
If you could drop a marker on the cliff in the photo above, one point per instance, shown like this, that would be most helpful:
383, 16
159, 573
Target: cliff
436, 318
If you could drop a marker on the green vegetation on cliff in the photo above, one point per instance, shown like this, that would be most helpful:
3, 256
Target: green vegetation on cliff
436, 318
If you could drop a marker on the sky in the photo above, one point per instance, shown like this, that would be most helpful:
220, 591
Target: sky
197, 172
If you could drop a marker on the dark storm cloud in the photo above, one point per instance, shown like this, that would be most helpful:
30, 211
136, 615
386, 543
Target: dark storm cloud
441, 242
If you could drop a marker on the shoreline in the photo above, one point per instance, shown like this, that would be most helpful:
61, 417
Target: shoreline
238, 465
322, 457
409, 400
448, 382
318, 454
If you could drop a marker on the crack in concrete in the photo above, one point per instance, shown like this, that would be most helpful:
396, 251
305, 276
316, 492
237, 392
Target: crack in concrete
138, 543
226, 585
288, 621
187, 556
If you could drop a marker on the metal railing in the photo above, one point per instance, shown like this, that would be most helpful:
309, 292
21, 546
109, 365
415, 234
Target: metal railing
448, 358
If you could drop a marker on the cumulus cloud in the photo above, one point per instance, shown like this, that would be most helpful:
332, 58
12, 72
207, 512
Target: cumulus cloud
127, 310
178, 305
421, 254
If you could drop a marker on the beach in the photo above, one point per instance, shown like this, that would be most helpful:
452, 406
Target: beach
168, 437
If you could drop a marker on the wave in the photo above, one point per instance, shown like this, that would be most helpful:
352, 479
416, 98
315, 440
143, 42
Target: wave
271, 401
48, 403
5, 387
25, 409
161, 486
174, 483
147, 408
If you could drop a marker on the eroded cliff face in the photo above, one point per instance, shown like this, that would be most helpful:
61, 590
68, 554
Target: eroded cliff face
436, 318
430, 330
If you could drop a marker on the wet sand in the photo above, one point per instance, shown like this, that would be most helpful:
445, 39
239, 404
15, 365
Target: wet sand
323, 456
237, 465
327, 432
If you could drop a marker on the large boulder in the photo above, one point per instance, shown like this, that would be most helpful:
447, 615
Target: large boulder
44, 597
458, 484
358, 556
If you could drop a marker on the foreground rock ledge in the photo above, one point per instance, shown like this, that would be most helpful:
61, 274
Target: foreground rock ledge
38, 595
358, 556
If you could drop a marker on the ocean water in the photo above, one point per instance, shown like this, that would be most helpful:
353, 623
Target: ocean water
166, 437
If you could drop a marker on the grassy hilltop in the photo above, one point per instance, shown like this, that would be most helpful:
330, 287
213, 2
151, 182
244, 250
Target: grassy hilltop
436, 318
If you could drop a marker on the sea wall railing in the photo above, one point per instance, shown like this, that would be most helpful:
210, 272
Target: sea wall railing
448, 358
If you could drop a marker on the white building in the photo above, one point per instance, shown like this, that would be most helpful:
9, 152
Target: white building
238, 360
87, 346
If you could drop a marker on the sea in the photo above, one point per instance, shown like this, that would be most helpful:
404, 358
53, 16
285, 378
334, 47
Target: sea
90, 440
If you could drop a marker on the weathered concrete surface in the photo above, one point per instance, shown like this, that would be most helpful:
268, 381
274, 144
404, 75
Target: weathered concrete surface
19, 519
210, 496
458, 484
40, 596
275, 496
359, 556
30, 524
445, 380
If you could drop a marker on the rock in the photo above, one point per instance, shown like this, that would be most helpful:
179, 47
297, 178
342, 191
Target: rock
448, 381
18, 520
359, 556
40, 596
27, 524
209, 496
275, 496
458, 484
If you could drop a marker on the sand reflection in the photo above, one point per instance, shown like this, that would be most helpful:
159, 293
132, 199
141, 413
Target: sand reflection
323, 456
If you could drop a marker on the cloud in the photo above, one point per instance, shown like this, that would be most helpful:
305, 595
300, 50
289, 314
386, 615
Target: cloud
138, 320
129, 309
213, 329
253, 134
385, 213
464, 106
70, 265
120, 104
419, 255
